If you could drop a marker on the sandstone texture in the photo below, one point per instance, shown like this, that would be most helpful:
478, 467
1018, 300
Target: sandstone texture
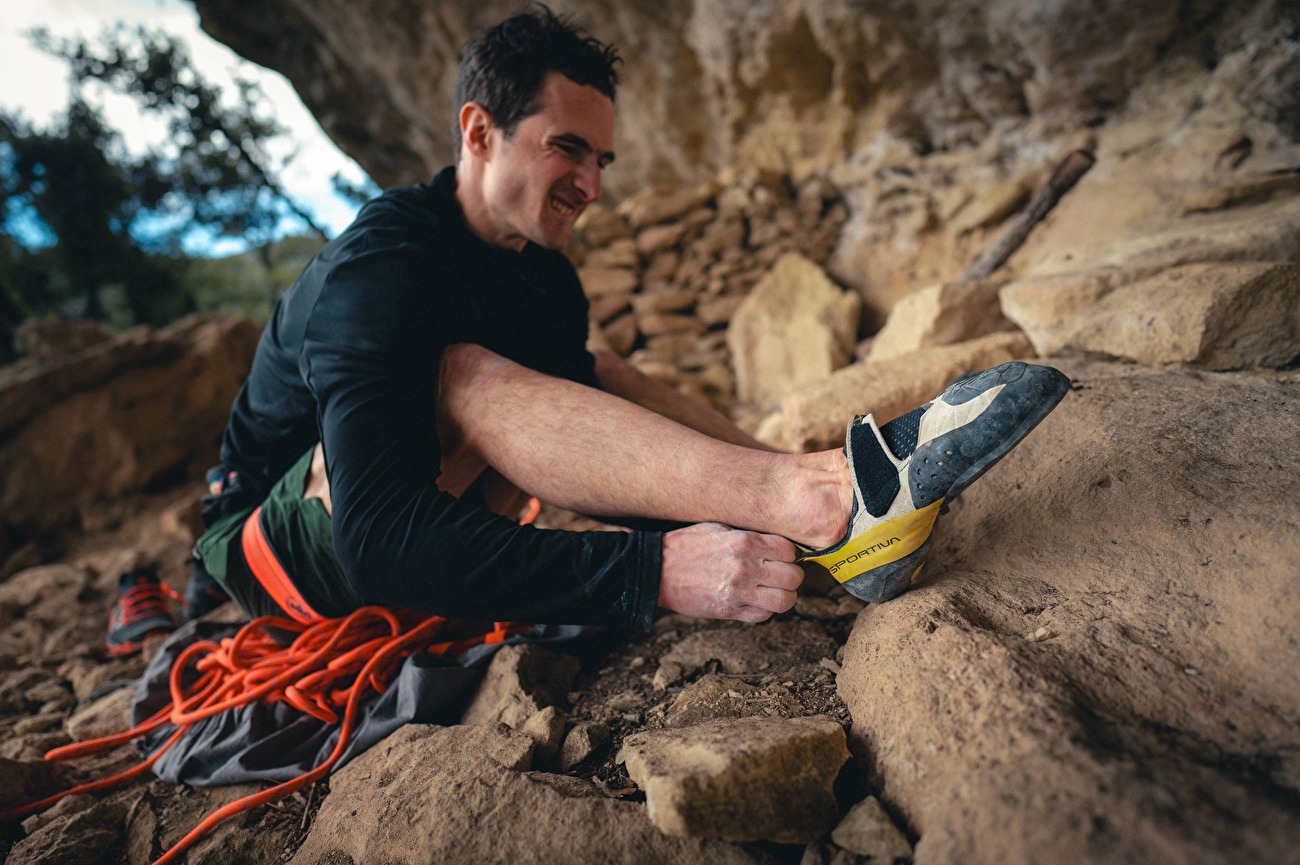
114, 418
703, 87
868, 831
521, 682
1220, 316
795, 328
1101, 666
436, 807
744, 780
940, 315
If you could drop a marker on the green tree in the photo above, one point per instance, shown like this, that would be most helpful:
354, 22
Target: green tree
218, 169
77, 180
118, 224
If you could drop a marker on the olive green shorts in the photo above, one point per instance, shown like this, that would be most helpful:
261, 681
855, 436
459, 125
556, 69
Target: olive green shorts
298, 530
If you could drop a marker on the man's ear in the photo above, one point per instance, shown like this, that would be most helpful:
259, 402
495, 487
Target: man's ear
475, 124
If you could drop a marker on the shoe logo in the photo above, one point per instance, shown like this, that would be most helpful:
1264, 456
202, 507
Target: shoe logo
862, 554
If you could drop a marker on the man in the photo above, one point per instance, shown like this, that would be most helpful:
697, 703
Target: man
432, 358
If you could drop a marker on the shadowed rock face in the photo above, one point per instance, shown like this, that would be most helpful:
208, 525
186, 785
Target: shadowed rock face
708, 83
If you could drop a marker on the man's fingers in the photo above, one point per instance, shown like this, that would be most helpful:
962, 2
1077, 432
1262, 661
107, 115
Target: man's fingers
775, 547
768, 598
753, 615
780, 575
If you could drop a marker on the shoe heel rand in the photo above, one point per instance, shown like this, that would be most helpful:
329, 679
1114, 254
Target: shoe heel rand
886, 543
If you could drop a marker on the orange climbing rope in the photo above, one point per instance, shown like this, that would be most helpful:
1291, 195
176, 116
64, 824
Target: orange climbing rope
330, 668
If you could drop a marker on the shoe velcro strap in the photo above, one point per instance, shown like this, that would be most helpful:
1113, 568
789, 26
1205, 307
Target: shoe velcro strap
873, 468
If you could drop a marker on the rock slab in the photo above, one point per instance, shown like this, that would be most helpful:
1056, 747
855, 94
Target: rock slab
416, 803
745, 780
1101, 666
1220, 316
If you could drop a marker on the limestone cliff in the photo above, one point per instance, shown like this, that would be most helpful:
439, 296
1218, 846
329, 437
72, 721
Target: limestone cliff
933, 119
710, 83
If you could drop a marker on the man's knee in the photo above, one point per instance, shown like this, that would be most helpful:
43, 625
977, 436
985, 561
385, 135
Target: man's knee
465, 361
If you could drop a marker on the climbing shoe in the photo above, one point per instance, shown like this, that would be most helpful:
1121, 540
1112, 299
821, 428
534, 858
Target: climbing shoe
906, 472
140, 612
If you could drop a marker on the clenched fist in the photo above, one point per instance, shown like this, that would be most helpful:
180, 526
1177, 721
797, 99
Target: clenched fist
716, 572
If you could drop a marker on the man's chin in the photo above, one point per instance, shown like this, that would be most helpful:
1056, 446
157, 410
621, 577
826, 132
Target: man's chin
553, 239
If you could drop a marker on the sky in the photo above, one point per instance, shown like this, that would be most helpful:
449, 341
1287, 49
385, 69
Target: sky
37, 86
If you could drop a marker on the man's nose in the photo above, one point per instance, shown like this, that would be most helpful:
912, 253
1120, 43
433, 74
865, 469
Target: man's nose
587, 181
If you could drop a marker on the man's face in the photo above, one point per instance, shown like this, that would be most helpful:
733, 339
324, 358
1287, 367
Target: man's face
537, 182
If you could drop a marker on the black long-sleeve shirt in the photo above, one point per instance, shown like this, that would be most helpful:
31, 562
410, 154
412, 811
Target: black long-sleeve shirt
350, 357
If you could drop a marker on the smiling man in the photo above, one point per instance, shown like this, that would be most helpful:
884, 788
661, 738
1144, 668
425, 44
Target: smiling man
430, 363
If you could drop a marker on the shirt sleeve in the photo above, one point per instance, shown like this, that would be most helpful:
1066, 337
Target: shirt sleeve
370, 357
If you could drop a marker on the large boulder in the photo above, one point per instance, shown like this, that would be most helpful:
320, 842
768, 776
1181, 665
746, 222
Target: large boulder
115, 418
1221, 316
794, 329
1101, 665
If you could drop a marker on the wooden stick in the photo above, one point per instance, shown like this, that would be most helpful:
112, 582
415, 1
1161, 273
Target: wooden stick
1073, 167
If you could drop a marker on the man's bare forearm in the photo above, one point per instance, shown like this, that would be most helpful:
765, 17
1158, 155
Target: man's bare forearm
622, 379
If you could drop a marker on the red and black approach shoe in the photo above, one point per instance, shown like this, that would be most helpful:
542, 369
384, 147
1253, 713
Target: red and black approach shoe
140, 612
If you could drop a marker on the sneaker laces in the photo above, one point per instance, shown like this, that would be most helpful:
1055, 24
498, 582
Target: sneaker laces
143, 600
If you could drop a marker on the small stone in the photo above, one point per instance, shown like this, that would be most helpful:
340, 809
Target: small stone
868, 831
1040, 634
621, 253
520, 681
621, 333
667, 675
850, 606
79, 834
718, 310
546, 728
817, 607
1191, 671
652, 206
603, 309
793, 329
659, 238
600, 281
600, 225
649, 303
582, 743
43, 723
654, 324
814, 854
830, 664
712, 698
25, 781
661, 269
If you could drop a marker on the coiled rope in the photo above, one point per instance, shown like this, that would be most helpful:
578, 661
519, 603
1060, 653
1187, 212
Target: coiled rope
330, 669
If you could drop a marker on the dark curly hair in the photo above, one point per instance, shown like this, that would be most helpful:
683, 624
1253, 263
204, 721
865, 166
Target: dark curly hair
503, 69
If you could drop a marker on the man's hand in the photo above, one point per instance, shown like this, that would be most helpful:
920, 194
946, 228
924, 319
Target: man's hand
716, 572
